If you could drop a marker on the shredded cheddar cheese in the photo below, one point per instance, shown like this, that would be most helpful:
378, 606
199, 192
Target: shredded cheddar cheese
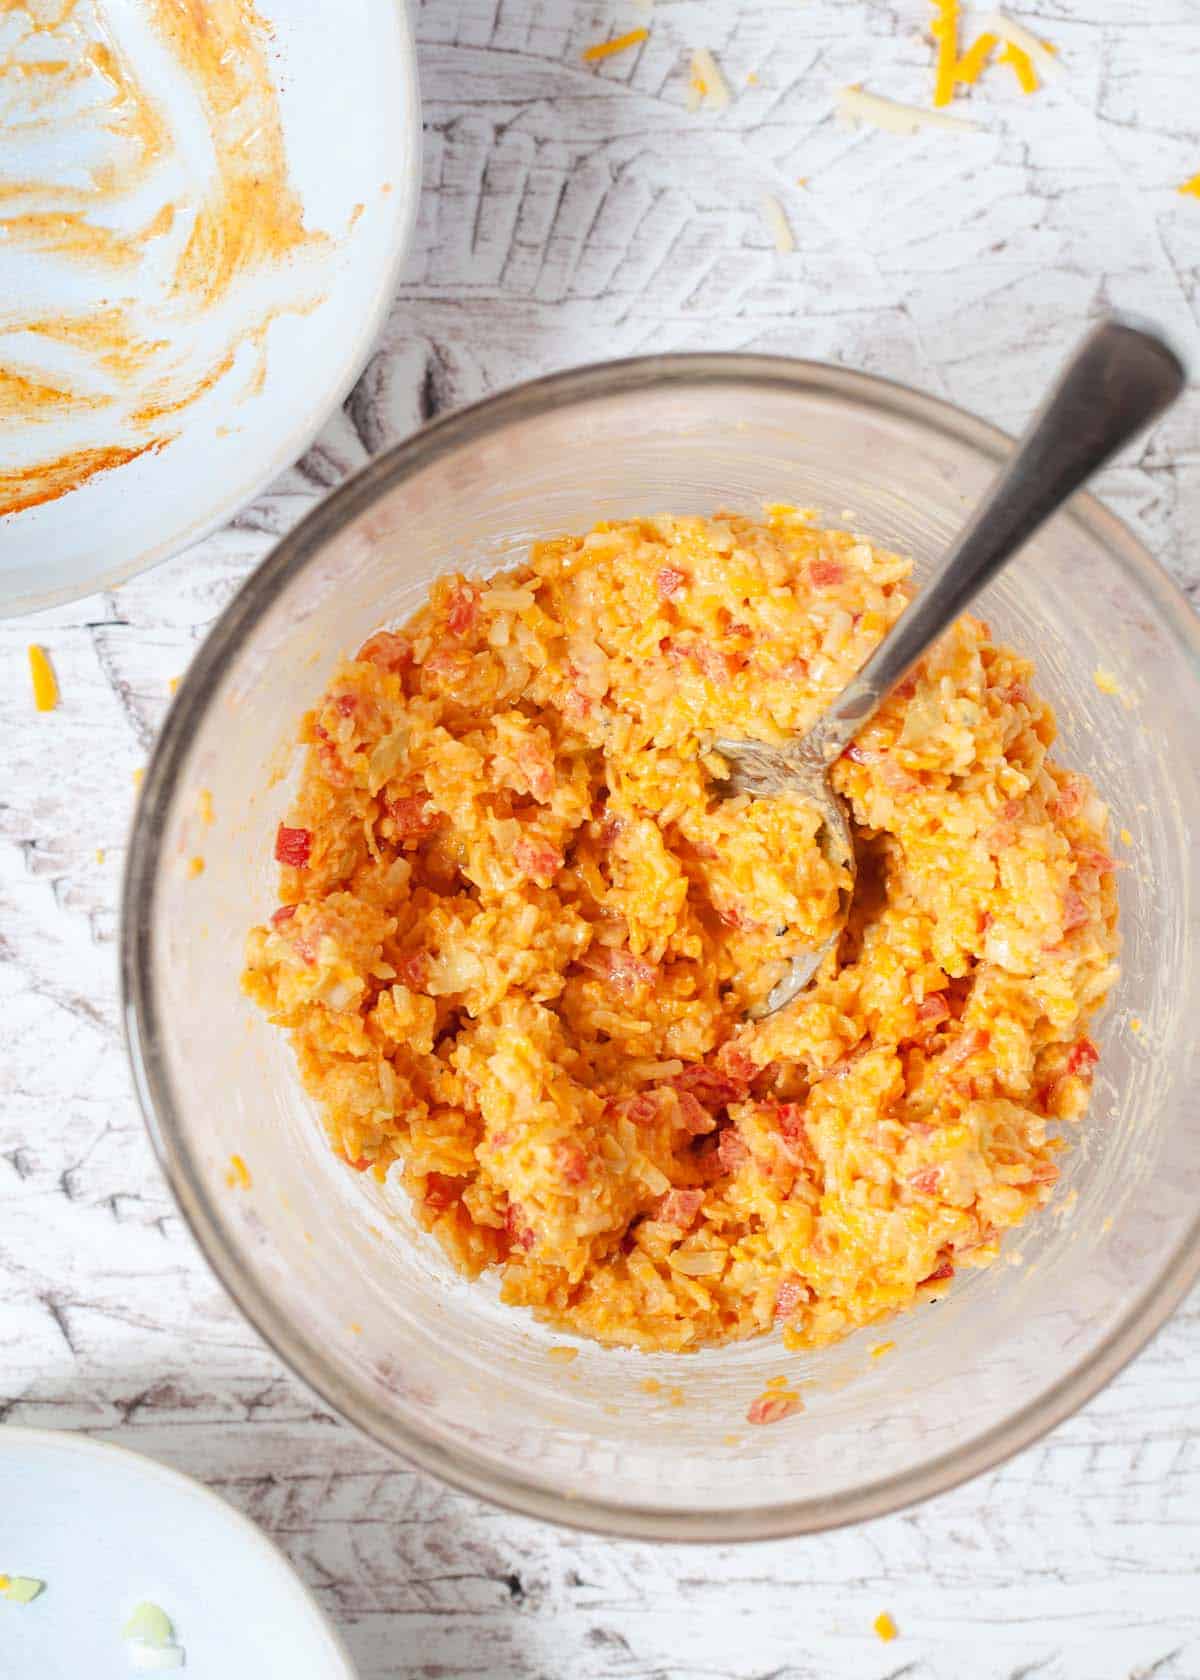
881, 1348
945, 34
563, 1355
1135, 1025
1190, 189
619, 43
1023, 53
45, 684
1040, 53
204, 804
974, 61
195, 867
1126, 837
1022, 66
885, 1627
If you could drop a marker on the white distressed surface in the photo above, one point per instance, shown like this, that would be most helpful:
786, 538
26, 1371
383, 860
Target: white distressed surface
569, 215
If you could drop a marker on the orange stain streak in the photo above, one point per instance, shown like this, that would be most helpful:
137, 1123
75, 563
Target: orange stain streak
22, 398
47, 480
253, 215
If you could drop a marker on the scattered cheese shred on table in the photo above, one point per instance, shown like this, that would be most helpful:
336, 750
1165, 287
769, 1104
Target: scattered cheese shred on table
708, 85
778, 224
853, 103
1021, 64
945, 34
1191, 188
21, 1589
45, 683
880, 1348
195, 867
974, 61
204, 805
563, 1355
884, 1626
1126, 837
238, 1176
619, 43
1105, 681
1041, 53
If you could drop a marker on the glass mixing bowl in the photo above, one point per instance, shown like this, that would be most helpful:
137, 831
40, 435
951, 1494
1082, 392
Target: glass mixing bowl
332, 1271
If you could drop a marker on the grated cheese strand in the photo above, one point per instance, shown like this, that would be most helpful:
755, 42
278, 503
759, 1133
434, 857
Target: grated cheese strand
885, 1626
45, 683
1020, 62
974, 61
778, 224
945, 33
1041, 53
619, 43
889, 114
707, 81
1190, 189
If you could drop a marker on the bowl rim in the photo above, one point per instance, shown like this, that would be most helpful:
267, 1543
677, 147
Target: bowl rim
288, 451
462, 1467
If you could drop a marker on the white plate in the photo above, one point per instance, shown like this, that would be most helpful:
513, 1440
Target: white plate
345, 80
106, 1529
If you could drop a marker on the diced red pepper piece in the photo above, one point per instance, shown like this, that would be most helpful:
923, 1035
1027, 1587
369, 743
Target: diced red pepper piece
387, 650
537, 860
944, 1271
732, 1149
414, 816
697, 1120
680, 1207
927, 1180
669, 582
284, 914
293, 846
1075, 911
642, 1109
520, 1234
571, 1161
462, 609
772, 1408
825, 573
709, 1085
442, 1191
933, 1009
1082, 1057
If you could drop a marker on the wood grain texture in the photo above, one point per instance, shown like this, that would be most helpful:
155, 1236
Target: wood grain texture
572, 214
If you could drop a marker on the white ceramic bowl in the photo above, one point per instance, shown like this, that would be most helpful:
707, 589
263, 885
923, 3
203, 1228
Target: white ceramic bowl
106, 1529
345, 78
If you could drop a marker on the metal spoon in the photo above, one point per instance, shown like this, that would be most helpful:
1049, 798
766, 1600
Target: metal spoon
1122, 375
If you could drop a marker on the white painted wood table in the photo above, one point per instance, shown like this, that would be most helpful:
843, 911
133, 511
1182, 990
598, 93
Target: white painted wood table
572, 214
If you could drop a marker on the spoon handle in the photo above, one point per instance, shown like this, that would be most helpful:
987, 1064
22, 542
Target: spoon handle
1118, 380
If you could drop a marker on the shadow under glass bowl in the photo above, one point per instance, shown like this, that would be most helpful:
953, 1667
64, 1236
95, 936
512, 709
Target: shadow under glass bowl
337, 1279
